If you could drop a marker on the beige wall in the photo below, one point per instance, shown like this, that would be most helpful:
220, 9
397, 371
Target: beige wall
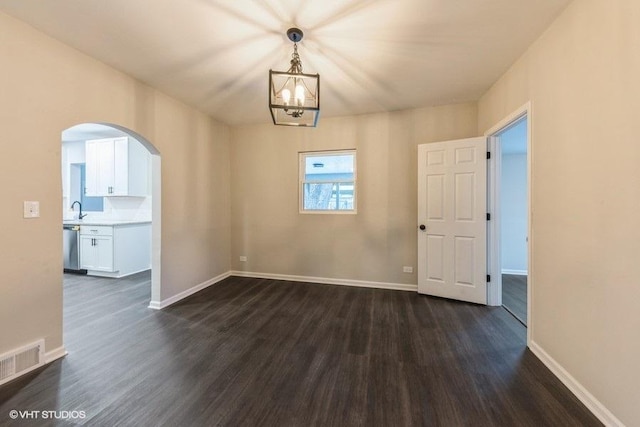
582, 78
372, 245
47, 87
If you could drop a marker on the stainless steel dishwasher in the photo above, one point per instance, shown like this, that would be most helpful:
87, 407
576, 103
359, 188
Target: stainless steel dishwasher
71, 249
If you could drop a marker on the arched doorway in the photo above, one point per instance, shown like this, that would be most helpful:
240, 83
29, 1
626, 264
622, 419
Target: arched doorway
139, 207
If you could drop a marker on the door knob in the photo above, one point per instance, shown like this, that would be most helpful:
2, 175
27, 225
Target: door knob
422, 227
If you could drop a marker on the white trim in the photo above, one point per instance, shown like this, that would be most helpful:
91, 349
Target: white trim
593, 404
159, 305
494, 254
328, 281
55, 354
114, 274
495, 287
524, 110
156, 225
514, 272
302, 169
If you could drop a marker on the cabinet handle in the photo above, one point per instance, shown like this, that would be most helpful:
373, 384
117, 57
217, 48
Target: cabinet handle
110, 190
85, 190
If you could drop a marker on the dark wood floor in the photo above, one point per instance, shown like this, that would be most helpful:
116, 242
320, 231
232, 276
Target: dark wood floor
253, 352
514, 295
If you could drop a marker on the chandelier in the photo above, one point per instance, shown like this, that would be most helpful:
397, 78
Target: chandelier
294, 97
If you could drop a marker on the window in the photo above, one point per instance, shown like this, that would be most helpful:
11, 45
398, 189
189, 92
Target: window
328, 182
89, 204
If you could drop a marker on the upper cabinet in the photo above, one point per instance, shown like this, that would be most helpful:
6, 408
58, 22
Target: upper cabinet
116, 167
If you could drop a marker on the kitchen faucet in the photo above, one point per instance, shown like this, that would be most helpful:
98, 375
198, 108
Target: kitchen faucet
80, 215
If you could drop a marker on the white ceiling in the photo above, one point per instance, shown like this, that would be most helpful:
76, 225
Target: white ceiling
372, 55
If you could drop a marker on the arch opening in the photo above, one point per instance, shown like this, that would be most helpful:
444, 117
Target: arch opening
138, 204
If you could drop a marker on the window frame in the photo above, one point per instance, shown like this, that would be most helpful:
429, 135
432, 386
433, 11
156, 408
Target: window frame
302, 156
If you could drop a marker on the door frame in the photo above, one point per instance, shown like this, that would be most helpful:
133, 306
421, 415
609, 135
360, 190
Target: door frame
494, 287
156, 212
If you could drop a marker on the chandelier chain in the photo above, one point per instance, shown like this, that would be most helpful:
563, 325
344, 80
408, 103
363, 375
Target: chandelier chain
296, 64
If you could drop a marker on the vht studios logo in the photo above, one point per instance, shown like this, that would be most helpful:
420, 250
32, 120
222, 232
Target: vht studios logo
47, 415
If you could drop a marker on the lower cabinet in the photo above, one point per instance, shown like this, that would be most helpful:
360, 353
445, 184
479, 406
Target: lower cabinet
115, 251
96, 253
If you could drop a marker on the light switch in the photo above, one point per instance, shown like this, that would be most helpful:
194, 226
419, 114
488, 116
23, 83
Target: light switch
31, 209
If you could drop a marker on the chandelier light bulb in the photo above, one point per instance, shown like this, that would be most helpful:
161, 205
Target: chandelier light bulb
286, 96
299, 95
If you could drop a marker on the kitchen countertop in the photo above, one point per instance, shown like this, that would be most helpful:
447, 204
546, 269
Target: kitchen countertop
108, 222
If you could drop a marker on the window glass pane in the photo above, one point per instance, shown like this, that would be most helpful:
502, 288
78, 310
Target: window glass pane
328, 181
317, 196
329, 167
89, 204
328, 196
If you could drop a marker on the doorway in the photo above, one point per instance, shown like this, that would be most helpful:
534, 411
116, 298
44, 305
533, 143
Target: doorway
513, 218
456, 258
137, 204
509, 201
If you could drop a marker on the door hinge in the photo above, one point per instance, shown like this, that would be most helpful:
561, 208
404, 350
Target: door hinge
488, 216
488, 155
488, 278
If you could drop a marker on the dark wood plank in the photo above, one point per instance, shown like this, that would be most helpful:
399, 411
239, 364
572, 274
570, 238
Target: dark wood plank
514, 295
249, 352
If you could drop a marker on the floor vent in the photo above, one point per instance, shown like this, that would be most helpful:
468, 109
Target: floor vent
20, 361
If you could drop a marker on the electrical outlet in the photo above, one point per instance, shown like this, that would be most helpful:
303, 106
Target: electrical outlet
407, 269
243, 258
31, 209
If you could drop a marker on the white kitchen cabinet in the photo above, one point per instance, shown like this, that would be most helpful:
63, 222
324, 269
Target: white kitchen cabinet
116, 167
115, 251
96, 253
96, 248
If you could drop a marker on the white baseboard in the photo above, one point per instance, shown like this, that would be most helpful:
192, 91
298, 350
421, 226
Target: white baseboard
116, 274
159, 305
514, 272
54, 354
328, 281
593, 404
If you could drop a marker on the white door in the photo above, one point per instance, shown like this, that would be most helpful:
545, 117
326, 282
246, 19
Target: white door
452, 218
